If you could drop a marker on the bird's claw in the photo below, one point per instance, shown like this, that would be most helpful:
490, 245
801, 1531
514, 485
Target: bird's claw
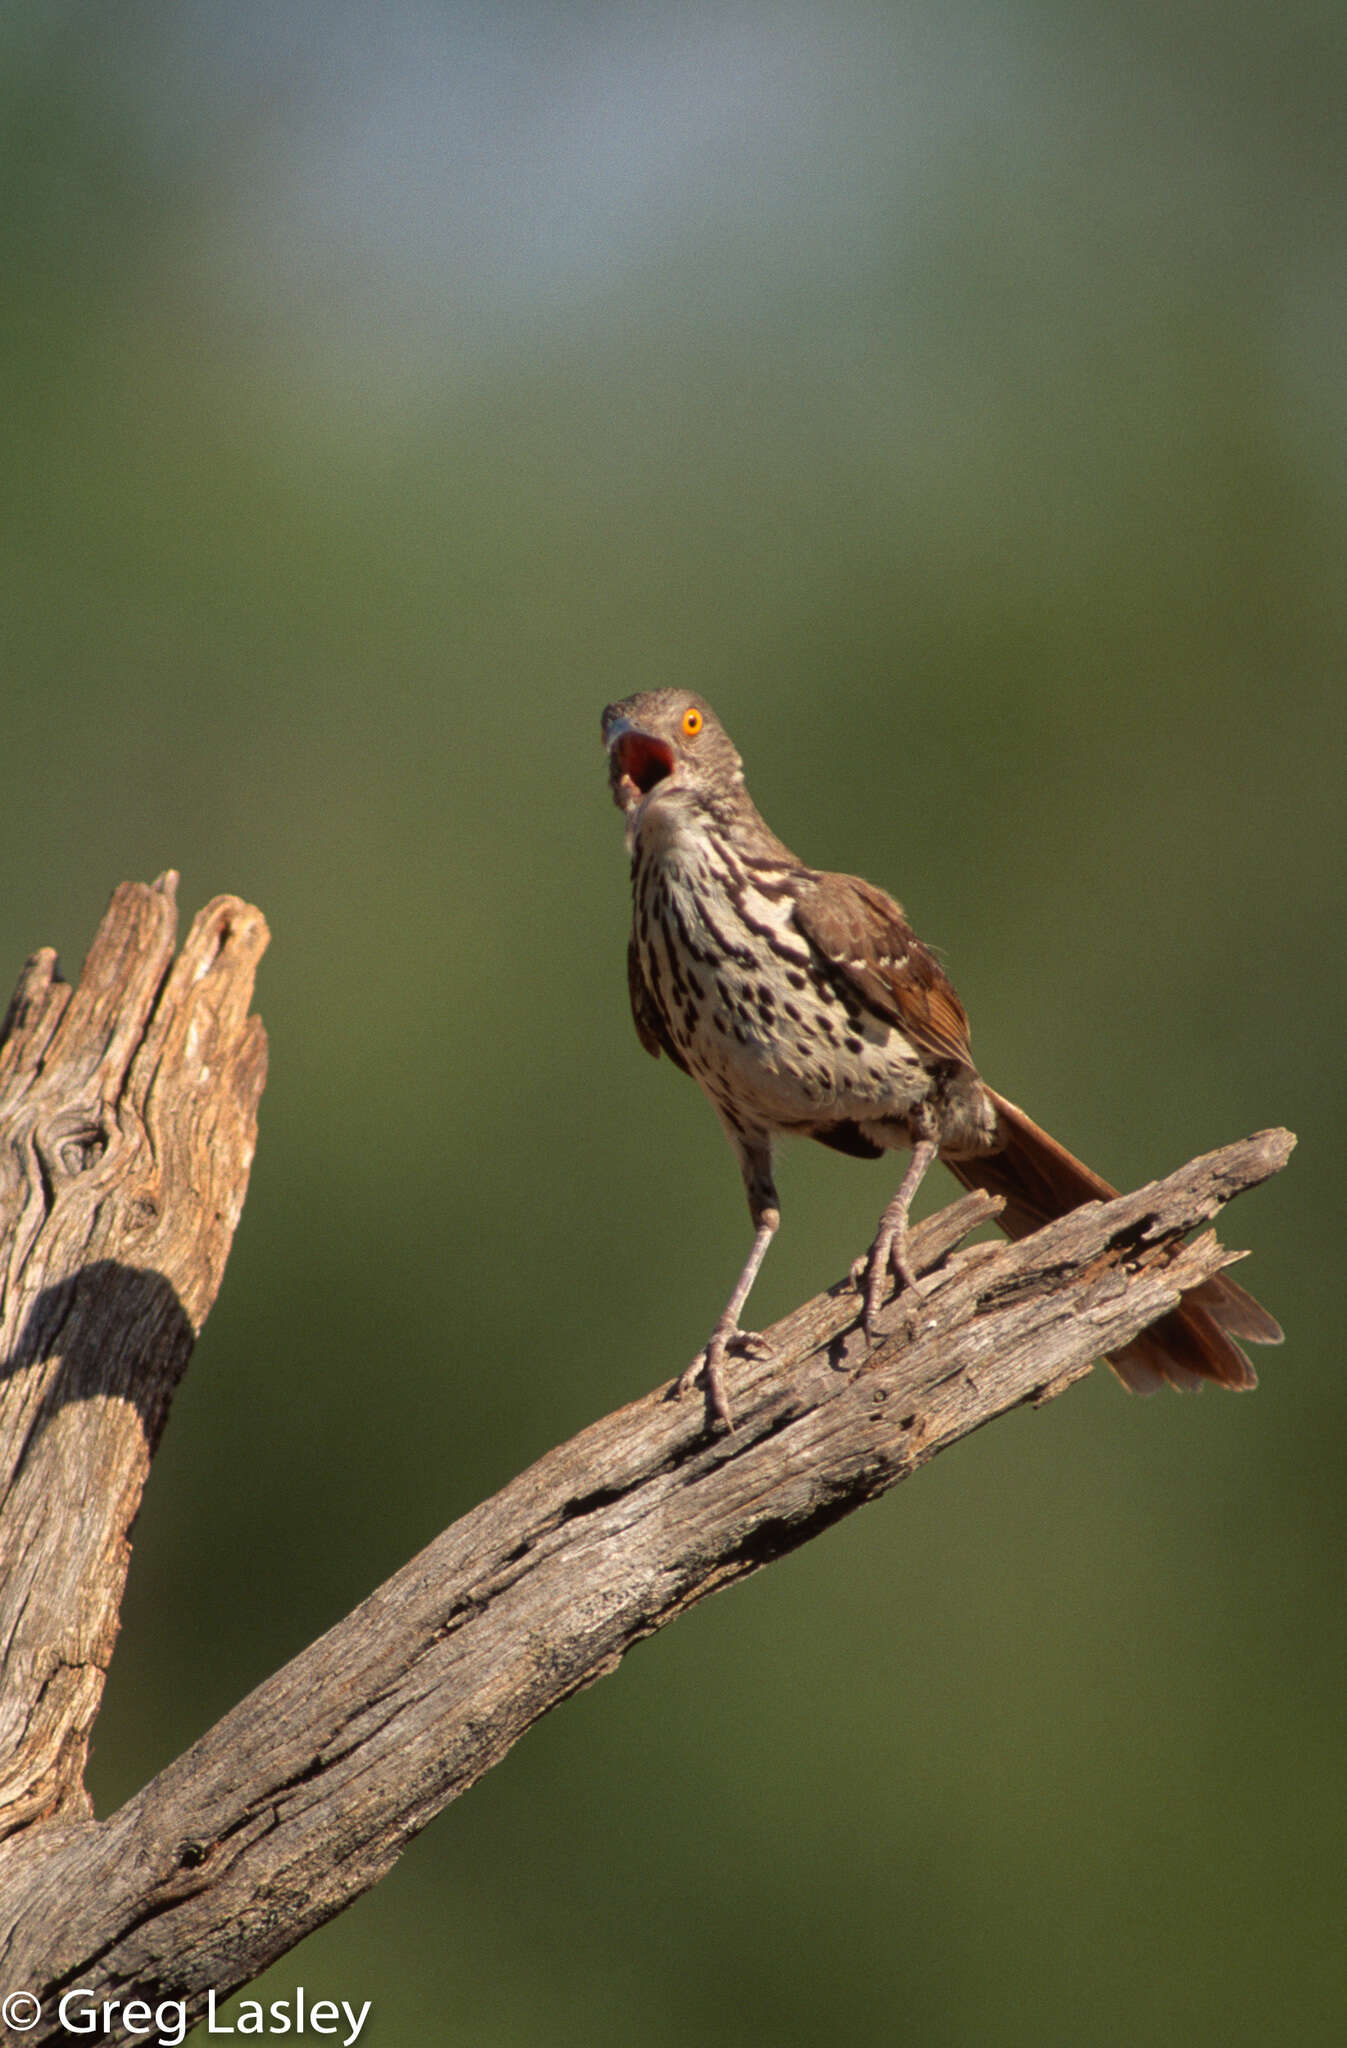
870, 1274
706, 1366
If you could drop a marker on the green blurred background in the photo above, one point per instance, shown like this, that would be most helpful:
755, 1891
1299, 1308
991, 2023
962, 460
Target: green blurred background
956, 395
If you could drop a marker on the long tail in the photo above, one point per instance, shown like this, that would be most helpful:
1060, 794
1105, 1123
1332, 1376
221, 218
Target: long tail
1040, 1181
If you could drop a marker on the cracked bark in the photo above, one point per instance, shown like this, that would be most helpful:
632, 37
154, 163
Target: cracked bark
303, 1796
127, 1126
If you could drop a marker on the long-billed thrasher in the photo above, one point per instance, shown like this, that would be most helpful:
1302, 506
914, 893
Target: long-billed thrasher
803, 1002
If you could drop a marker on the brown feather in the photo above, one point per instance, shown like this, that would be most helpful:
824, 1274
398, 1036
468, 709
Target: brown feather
865, 938
847, 1137
645, 1013
1039, 1180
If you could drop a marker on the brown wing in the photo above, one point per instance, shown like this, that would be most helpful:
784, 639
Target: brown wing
645, 1012
863, 936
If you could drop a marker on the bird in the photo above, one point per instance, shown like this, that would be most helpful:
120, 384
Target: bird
804, 1004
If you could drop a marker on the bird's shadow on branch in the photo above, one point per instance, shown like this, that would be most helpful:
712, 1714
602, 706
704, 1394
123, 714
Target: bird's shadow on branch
118, 1331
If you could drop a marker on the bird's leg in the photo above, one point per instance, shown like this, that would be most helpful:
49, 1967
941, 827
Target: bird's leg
755, 1160
889, 1249
708, 1363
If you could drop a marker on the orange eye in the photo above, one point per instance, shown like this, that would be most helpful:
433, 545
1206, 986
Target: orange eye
692, 722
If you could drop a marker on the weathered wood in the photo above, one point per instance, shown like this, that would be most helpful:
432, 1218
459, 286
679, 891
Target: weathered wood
304, 1795
128, 1118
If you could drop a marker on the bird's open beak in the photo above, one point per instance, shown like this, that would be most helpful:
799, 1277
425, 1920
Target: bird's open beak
637, 761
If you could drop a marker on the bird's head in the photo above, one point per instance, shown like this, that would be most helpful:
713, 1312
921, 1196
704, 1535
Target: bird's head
667, 741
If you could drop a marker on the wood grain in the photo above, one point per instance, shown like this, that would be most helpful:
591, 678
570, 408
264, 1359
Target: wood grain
128, 1118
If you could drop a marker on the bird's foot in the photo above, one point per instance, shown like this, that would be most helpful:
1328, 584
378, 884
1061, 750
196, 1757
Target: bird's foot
706, 1367
870, 1275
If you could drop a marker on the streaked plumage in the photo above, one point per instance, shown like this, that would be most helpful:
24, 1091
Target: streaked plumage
803, 1004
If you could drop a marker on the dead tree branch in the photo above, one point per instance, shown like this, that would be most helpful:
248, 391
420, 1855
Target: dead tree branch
303, 1796
128, 1118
